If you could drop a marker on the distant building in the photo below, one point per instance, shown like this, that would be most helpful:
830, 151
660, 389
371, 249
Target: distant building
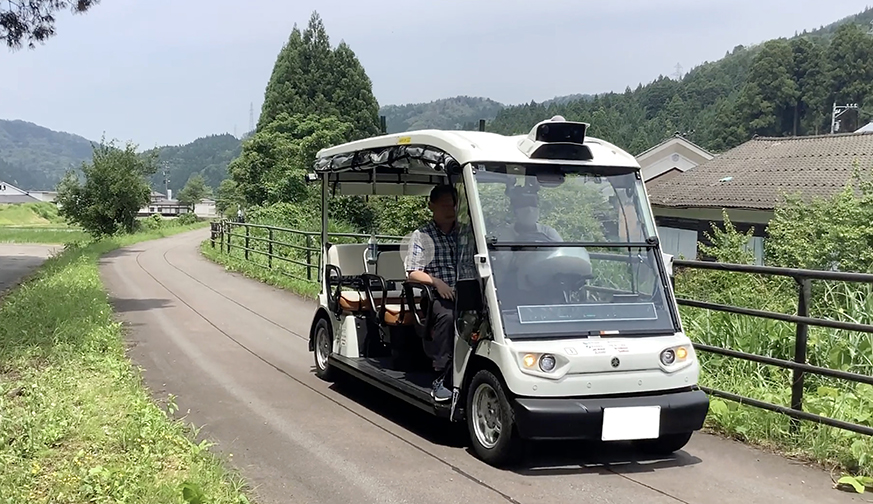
749, 182
9, 194
163, 205
671, 157
205, 208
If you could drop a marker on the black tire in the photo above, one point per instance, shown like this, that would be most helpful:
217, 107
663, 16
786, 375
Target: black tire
664, 445
323, 334
507, 447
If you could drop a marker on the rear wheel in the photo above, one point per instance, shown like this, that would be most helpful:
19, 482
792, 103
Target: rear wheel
491, 421
323, 346
664, 445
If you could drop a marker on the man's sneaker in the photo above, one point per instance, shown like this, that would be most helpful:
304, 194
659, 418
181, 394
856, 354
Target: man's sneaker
440, 392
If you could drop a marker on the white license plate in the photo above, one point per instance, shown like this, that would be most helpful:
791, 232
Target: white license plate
637, 422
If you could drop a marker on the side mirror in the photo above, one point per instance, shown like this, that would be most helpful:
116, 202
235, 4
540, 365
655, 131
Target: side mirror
482, 265
668, 262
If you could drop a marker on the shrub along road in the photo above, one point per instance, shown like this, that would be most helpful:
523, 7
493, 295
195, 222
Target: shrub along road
234, 351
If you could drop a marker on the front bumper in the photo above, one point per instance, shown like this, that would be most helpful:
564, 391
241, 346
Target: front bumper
582, 418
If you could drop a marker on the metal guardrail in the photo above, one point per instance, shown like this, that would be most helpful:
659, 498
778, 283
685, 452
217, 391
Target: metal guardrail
222, 233
802, 321
309, 250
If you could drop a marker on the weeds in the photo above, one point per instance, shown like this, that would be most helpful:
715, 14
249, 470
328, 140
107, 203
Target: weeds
76, 424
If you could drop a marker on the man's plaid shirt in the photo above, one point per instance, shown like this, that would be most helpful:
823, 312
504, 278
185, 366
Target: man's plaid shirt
444, 253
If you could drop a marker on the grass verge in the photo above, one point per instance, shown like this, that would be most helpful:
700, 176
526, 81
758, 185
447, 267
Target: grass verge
46, 235
76, 424
277, 276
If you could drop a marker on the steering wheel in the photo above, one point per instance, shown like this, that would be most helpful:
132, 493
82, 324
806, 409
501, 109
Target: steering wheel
564, 269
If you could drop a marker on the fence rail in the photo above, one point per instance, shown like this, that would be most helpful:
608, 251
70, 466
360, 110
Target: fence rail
306, 256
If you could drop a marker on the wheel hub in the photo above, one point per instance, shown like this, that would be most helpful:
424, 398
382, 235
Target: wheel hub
322, 348
486, 416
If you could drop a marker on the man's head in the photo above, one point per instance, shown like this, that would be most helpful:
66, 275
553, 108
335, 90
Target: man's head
443, 203
525, 208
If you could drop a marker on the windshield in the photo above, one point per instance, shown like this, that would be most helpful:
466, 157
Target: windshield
572, 250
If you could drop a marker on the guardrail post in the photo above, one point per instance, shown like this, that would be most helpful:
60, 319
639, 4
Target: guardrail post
247, 243
229, 236
309, 257
270, 248
212, 233
800, 341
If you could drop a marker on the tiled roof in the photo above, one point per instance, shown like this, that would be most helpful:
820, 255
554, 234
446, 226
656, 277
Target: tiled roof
759, 172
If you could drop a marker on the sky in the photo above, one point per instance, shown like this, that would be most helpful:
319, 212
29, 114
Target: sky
165, 72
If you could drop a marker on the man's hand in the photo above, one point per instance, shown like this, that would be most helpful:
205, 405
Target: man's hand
443, 289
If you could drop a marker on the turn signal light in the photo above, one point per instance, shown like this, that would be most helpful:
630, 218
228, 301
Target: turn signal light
681, 353
530, 360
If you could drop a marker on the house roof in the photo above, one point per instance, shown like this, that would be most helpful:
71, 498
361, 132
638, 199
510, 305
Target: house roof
758, 173
677, 139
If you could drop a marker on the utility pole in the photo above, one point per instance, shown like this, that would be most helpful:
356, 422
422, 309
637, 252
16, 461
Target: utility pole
251, 116
838, 111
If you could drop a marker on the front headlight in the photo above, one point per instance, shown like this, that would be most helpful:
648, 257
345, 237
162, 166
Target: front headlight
674, 357
540, 363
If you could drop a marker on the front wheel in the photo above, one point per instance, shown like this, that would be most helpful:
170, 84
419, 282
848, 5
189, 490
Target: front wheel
323, 346
491, 421
664, 445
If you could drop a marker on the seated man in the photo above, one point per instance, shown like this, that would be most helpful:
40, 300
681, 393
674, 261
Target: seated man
432, 261
525, 209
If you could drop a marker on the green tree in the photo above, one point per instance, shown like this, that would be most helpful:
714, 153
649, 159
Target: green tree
228, 196
835, 232
34, 20
274, 161
194, 191
311, 78
769, 97
115, 189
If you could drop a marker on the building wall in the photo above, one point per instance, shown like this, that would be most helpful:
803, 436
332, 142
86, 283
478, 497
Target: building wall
682, 229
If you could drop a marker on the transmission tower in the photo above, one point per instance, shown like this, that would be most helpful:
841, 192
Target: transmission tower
251, 116
678, 73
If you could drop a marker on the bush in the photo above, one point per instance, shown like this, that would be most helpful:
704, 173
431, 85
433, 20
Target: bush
186, 218
115, 189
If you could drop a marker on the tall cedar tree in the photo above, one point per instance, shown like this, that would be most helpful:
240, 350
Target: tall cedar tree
311, 78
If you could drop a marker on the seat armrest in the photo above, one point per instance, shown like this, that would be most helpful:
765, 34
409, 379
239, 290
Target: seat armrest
368, 280
423, 324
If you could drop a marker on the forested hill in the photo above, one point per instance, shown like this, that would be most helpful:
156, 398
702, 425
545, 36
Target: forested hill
459, 112
208, 156
35, 158
778, 88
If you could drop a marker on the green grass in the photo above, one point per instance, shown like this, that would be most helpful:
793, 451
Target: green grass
276, 276
76, 423
46, 235
30, 214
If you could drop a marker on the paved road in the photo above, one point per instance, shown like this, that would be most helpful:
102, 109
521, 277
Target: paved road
19, 260
234, 352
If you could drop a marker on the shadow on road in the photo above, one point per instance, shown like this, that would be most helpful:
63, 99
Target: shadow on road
131, 305
548, 458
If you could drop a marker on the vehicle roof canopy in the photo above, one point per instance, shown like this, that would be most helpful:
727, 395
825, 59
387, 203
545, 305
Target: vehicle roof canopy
411, 163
